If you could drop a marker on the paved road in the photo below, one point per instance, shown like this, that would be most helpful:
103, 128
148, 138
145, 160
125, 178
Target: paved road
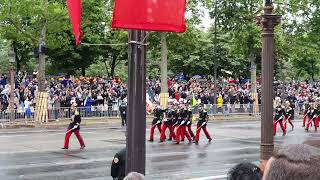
36, 155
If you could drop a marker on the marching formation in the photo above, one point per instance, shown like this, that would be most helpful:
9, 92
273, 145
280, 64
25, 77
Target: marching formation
284, 114
311, 116
178, 120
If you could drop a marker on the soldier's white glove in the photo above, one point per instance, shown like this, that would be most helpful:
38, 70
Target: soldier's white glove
188, 123
165, 120
182, 122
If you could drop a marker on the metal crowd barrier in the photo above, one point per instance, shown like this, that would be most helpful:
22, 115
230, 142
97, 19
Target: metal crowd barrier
85, 112
230, 109
61, 113
113, 111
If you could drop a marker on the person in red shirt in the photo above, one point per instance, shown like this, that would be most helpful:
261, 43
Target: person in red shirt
177, 96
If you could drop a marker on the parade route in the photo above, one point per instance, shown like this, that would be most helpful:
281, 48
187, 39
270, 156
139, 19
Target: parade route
35, 154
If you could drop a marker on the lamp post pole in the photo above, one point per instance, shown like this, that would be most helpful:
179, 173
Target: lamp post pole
12, 59
136, 123
216, 90
267, 21
11, 93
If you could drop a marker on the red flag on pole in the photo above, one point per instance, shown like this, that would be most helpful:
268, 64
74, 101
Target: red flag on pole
75, 13
152, 15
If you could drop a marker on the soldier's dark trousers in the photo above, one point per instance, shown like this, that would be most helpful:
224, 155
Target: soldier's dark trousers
288, 120
123, 119
275, 127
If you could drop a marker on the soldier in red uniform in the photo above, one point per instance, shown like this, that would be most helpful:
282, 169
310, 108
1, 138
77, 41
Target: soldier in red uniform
74, 127
189, 123
167, 123
202, 124
313, 114
289, 116
181, 126
175, 118
306, 114
278, 119
158, 113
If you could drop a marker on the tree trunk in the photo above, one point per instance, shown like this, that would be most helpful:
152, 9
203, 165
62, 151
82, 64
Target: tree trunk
106, 66
113, 65
41, 112
312, 71
253, 73
42, 59
18, 64
164, 64
164, 71
83, 71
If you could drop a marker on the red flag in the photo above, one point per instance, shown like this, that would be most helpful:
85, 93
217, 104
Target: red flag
153, 15
75, 13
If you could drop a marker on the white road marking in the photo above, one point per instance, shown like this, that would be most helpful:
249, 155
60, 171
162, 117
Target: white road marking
209, 177
10, 136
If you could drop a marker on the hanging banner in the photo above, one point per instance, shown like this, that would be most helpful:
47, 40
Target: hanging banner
150, 15
75, 13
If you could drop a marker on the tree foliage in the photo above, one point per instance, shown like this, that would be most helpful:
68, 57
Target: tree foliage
297, 40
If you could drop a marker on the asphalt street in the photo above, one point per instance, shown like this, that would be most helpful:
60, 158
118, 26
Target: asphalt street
35, 154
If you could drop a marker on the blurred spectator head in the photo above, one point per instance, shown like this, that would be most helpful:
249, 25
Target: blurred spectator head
294, 162
245, 171
134, 176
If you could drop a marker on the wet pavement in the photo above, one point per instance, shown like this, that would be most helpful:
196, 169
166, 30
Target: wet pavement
35, 154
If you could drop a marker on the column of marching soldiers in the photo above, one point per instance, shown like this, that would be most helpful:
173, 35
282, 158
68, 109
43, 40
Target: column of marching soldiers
284, 114
178, 119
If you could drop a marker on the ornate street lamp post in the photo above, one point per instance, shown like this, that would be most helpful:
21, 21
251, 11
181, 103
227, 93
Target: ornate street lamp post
267, 21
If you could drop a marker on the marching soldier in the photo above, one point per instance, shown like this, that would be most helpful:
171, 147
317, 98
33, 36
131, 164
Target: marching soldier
278, 118
74, 127
181, 126
189, 123
175, 118
158, 112
289, 116
306, 114
167, 123
184, 131
202, 124
313, 117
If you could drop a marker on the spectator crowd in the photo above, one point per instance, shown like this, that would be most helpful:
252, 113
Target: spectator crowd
106, 94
